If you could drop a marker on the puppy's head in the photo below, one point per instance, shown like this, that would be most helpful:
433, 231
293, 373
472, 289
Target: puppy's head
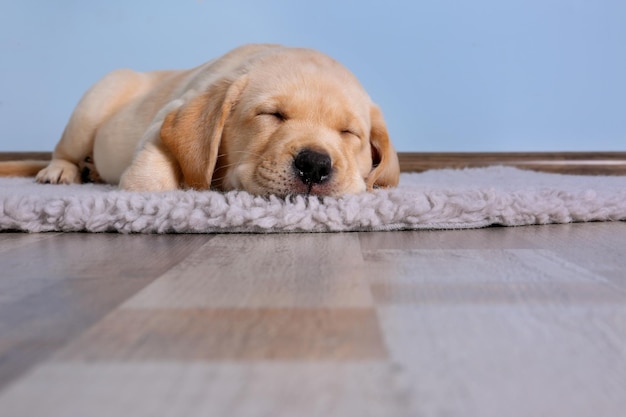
295, 122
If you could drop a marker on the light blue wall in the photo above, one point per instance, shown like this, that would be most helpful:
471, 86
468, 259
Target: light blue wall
483, 75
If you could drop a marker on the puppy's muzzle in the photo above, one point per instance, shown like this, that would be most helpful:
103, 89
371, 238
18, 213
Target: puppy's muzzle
312, 167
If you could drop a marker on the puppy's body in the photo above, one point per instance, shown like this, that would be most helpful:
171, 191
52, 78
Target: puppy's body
263, 118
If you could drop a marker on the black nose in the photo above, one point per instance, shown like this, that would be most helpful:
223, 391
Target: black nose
312, 167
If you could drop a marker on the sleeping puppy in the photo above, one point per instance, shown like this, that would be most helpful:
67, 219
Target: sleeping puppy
265, 119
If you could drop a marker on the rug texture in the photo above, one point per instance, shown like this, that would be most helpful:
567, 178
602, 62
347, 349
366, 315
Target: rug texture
439, 199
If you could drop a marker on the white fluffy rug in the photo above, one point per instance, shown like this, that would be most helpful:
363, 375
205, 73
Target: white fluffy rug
442, 199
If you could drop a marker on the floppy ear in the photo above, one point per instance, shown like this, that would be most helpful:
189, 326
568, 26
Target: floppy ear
385, 165
193, 132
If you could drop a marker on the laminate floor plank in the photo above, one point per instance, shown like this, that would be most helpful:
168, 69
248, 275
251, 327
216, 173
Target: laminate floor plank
482, 331
90, 255
231, 334
486, 277
201, 389
598, 247
11, 241
504, 360
246, 271
53, 288
487, 322
487, 238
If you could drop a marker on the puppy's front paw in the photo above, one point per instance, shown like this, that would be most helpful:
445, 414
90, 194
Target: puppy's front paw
59, 172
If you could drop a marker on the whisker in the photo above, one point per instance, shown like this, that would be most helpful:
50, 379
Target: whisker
224, 169
218, 179
228, 165
258, 155
261, 158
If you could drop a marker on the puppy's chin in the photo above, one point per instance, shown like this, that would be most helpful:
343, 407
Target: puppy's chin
270, 179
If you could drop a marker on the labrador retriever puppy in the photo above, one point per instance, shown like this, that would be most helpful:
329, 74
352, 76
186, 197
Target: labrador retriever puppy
266, 119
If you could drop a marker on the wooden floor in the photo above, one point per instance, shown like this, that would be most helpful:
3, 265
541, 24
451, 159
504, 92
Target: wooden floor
527, 321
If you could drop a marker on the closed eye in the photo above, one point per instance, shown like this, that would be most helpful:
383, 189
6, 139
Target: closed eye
350, 132
278, 115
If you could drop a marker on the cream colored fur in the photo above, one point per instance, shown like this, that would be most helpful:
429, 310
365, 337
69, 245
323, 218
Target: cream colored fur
236, 122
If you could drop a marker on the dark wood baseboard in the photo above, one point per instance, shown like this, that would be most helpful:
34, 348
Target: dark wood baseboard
582, 163
21, 156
